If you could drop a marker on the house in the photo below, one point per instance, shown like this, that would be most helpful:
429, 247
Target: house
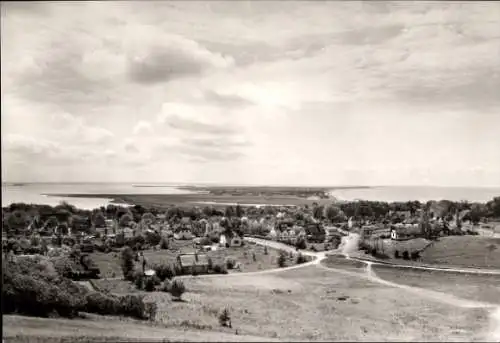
405, 232
128, 232
190, 263
315, 233
222, 240
183, 234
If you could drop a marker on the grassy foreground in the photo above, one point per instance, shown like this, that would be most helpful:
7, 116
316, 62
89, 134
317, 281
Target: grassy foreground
309, 303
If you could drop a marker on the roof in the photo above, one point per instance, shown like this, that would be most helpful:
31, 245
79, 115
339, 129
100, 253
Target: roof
193, 259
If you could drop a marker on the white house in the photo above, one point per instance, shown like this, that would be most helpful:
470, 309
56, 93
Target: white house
222, 240
183, 234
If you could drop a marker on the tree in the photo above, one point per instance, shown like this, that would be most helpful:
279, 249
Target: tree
239, 211
99, 219
282, 259
225, 318
127, 261
177, 288
334, 214
229, 212
148, 218
318, 212
125, 220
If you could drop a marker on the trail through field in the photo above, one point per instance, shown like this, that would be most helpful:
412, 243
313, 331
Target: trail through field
349, 245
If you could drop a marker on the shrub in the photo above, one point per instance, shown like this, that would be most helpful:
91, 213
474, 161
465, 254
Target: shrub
166, 286
150, 283
177, 288
220, 269
282, 259
127, 262
133, 306
301, 243
153, 238
230, 263
225, 318
102, 304
301, 259
150, 310
138, 278
164, 271
205, 241
313, 248
164, 243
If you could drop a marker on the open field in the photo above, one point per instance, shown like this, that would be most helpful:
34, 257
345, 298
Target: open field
20, 329
165, 200
464, 251
308, 303
485, 288
110, 266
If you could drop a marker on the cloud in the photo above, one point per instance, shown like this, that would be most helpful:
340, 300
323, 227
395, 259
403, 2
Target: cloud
226, 100
142, 127
195, 119
75, 129
174, 57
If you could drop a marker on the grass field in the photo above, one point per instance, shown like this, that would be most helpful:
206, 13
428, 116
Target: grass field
110, 266
485, 288
464, 251
309, 303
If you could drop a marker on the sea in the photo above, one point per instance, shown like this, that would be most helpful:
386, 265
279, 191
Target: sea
39, 193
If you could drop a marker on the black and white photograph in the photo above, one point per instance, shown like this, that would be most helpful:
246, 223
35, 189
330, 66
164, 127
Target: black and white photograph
250, 171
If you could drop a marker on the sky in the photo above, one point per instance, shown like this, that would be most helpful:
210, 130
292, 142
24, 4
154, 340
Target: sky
259, 92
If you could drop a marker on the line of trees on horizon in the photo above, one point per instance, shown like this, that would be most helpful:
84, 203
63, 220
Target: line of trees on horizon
17, 217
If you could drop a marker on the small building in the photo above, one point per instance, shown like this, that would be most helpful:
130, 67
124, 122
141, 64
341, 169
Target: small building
194, 262
405, 232
183, 234
222, 240
128, 232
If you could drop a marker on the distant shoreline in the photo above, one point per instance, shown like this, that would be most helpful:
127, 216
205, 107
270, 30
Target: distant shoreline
165, 200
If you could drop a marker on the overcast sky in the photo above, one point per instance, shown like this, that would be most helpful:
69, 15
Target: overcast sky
306, 93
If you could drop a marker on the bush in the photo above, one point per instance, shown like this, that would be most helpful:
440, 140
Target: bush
225, 318
102, 304
177, 288
133, 306
220, 269
28, 289
138, 279
282, 259
127, 261
150, 283
205, 241
166, 286
153, 238
230, 263
164, 271
164, 243
313, 248
301, 243
301, 259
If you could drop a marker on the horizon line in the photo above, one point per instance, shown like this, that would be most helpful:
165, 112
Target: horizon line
238, 185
